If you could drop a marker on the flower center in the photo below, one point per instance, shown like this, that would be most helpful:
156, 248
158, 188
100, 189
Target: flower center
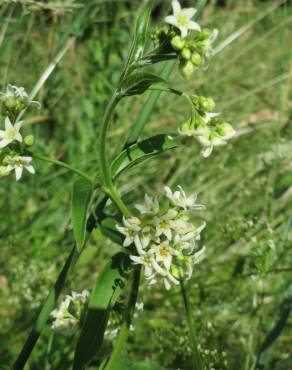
10, 133
164, 251
182, 19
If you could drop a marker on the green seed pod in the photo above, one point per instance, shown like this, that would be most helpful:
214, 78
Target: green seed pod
186, 54
187, 69
177, 43
196, 59
29, 140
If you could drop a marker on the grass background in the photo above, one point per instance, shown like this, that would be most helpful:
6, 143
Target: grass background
243, 287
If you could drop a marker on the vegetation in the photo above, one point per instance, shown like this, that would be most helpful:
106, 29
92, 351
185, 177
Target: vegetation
70, 55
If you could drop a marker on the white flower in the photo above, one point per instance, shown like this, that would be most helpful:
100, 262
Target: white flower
182, 19
149, 207
164, 223
10, 133
146, 259
68, 315
130, 229
164, 253
18, 163
179, 199
18, 93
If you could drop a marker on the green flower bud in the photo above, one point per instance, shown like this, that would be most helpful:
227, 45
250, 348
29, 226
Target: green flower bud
208, 104
187, 69
186, 54
196, 59
177, 43
10, 102
5, 160
226, 130
3, 171
29, 140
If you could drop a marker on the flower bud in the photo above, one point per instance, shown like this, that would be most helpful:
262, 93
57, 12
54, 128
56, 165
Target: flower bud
208, 104
5, 160
196, 59
177, 43
3, 171
226, 130
187, 69
29, 140
186, 54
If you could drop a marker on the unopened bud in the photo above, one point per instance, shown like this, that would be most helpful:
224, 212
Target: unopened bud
186, 54
196, 59
208, 104
29, 140
5, 160
177, 43
3, 171
187, 69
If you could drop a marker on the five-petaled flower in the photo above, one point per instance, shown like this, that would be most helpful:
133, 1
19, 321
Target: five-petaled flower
182, 19
10, 134
18, 163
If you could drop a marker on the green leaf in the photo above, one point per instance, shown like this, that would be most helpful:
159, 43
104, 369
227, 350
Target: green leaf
103, 296
146, 149
138, 44
145, 365
139, 82
283, 313
81, 195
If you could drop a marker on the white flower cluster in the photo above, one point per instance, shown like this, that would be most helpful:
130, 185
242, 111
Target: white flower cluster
165, 239
69, 315
13, 102
193, 51
205, 126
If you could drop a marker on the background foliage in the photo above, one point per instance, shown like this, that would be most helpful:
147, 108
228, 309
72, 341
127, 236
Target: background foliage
243, 289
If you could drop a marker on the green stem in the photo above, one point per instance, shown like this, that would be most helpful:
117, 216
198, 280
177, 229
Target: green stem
196, 357
165, 89
62, 164
105, 167
124, 332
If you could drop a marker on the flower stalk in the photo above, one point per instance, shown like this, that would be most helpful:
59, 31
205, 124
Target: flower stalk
196, 357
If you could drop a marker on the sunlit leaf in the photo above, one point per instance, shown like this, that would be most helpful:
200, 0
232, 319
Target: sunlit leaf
81, 195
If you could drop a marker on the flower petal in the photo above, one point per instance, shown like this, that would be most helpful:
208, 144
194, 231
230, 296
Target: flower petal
18, 173
194, 26
4, 143
30, 169
171, 20
206, 152
176, 7
190, 12
18, 137
8, 124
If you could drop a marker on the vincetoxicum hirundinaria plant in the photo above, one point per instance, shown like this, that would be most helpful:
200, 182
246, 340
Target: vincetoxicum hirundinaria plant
157, 236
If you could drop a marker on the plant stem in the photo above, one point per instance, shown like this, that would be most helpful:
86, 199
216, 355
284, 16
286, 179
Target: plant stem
196, 358
62, 164
105, 167
124, 332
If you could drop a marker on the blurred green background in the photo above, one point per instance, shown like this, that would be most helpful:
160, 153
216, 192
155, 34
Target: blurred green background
242, 290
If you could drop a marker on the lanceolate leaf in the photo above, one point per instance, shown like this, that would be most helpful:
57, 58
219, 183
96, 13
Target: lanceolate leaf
139, 82
104, 294
146, 149
81, 195
139, 40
